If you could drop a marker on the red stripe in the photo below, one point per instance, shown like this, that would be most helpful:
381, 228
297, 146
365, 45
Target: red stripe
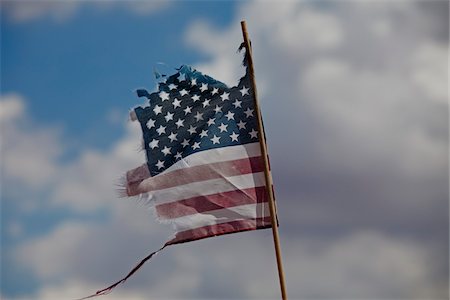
195, 174
220, 229
136, 175
207, 203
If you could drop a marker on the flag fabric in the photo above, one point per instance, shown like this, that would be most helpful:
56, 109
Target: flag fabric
204, 172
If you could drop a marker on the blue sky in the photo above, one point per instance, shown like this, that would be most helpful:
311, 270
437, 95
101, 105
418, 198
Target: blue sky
355, 101
95, 59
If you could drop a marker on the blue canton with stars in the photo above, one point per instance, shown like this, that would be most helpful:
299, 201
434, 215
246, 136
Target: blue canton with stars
192, 112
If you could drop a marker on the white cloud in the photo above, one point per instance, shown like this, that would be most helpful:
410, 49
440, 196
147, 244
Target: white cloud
30, 162
354, 100
224, 67
24, 11
88, 183
61, 11
376, 111
381, 27
307, 31
29, 156
358, 136
73, 253
430, 73
359, 102
11, 107
72, 290
361, 265
146, 8
240, 266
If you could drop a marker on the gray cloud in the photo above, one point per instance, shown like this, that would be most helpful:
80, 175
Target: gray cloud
356, 115
354, 100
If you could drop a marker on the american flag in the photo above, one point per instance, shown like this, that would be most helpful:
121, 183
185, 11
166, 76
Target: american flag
204, 172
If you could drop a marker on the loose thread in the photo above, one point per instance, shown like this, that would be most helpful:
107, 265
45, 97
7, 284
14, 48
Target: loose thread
109, 289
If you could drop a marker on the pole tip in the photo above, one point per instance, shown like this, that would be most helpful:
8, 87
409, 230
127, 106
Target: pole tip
243, 25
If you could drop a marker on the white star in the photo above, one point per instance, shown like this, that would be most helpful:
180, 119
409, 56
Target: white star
223, 127
164, 96
224, 96
230, 115
178, 155
234, 136
195, 98
161, 130
160, 164
192, 130
157, 110
241, 124
204, 133
185, 143
169, 116
179, 123
198, 116
172, 86
176, 103
211, 121
187, 110
253, 133
215, 91
218, 109
183, 92
150, 124
215, 139
181, 77
196, 146
194, 81
244, 91
173, 137
237, 103
206, 103
153, 144
204, 87
249, 112
166, 150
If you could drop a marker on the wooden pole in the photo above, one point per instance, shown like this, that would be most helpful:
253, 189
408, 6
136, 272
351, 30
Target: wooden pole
267, 174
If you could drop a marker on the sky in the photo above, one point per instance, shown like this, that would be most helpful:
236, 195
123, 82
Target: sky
354, 96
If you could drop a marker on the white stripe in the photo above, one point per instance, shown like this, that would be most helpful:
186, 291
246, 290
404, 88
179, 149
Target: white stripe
207, 187
242, 212
216, 155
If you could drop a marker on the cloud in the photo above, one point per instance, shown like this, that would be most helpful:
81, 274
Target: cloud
430, 73
28, 156
25, 11
358, 105
208, 270
358, 134
31, 161
205, 269
61, 11
224, 66
87, 183
37, 182
364, 108
354, 100
12, 107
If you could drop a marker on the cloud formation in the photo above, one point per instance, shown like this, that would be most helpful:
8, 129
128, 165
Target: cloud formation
61, 11
356, 114
29, 157
354, 101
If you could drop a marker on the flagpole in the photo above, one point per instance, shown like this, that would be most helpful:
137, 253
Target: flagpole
267, 175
